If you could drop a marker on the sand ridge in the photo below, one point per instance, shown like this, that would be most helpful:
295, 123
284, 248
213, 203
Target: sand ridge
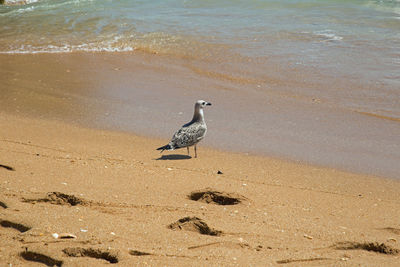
127, 204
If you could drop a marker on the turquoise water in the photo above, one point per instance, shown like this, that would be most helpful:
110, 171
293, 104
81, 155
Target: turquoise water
250, 27
341, 37
349, 43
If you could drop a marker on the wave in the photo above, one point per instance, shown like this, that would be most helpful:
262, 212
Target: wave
327, 36
389, 6
161, 43
19, 2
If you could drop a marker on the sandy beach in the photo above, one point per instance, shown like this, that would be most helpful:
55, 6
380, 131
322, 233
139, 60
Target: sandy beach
300, 165
109, 198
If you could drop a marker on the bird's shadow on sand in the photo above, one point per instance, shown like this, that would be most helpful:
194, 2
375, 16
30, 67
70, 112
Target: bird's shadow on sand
174, 157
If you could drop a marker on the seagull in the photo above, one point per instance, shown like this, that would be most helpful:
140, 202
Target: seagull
190, 133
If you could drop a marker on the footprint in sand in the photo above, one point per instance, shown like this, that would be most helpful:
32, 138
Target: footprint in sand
17, 226
109, 255
194, 224
41, 258
58, 198
372, 246
215, 197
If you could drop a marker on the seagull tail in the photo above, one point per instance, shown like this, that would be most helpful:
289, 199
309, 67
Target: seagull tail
166, 147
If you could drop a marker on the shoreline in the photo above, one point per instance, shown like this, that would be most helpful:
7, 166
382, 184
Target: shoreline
136, 91
129, 194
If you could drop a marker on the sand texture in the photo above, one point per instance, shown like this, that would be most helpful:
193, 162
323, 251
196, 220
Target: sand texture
154, 95
71, 196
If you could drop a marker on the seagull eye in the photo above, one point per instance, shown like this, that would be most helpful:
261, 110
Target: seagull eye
203, 103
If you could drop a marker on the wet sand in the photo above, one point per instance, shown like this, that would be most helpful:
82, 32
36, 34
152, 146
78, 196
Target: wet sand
123, 202
284, 114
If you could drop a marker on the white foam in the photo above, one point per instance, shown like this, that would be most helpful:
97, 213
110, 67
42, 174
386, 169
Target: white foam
328, 35
113, 45
67, 49
19, 2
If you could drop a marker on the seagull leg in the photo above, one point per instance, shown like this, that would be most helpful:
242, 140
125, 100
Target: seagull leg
188, 150
195, 151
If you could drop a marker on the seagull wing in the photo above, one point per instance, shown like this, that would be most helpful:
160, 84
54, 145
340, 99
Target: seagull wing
189, 135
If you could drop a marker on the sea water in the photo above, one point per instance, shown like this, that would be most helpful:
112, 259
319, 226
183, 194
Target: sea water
357, 40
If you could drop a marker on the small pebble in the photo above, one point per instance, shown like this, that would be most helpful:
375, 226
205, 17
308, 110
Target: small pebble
219, 172
307, 236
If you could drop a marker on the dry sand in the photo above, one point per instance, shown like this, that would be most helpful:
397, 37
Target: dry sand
123, 202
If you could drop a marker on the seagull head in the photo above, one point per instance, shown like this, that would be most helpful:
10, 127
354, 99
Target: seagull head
202, 103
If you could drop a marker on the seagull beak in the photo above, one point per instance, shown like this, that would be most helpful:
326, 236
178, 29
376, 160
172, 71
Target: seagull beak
208, 104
